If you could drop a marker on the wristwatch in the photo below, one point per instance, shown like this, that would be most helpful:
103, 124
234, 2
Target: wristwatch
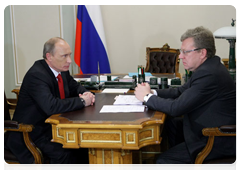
83, 101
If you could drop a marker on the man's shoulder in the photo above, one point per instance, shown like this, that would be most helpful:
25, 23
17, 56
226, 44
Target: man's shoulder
39, 69
38, 65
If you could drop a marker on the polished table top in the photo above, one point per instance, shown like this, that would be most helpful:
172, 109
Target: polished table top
92, 114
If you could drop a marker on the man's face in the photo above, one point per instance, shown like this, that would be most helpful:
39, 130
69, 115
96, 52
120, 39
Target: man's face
191, 60
60, 60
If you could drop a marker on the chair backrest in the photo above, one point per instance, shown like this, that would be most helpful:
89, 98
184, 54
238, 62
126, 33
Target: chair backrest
6, 109
162, 60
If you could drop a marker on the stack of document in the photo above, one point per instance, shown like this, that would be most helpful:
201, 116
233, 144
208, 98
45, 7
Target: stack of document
124, 103
127, 100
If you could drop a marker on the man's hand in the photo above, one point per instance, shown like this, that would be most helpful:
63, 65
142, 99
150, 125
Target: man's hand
142, 90
88, 97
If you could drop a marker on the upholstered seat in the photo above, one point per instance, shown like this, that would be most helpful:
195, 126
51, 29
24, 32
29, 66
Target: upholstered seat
227, 130
162, 60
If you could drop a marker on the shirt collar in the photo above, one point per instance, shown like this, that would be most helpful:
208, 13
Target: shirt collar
54, 72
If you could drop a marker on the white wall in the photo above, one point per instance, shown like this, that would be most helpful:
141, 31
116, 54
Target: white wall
31, 29
129, 30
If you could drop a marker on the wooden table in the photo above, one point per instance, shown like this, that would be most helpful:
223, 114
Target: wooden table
110, 137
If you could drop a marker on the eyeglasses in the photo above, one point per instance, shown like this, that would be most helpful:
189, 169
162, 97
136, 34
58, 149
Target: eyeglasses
185, 52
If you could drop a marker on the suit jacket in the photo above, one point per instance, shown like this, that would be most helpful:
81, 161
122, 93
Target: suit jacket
39, 98
208, 99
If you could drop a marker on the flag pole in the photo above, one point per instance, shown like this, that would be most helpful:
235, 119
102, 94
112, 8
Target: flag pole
98, 73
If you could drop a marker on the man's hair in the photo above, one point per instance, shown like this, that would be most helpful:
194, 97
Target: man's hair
49, 46
203, 38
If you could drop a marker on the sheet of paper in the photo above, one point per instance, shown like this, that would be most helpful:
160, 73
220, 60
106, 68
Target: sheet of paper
127, 77
127, 100
122, 108
109, 90
82, 79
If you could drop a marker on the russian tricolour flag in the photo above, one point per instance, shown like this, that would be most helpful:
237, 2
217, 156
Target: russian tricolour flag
90, 44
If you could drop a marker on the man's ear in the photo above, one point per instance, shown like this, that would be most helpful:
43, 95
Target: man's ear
204, 53
49, 56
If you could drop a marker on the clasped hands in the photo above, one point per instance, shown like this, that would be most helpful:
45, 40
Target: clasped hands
142, 90
88, 97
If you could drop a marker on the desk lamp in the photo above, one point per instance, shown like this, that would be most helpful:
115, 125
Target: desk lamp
229, 33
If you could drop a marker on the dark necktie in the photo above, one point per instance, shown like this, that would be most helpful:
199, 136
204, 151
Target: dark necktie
60, 86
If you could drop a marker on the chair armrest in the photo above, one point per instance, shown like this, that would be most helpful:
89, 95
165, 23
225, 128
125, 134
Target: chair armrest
11, 105
226, 130
25, 129
9, 124
15, 126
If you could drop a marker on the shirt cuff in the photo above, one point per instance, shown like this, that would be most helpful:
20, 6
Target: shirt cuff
154, 92
149, 95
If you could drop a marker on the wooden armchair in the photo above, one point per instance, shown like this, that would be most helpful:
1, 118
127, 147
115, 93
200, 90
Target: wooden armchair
162, 60
228, 130
10, 125
7, 106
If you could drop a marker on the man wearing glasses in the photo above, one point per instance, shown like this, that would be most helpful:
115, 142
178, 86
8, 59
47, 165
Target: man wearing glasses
208, 99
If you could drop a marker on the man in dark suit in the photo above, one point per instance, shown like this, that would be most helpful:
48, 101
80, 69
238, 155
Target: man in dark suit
207, 99
41, 96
